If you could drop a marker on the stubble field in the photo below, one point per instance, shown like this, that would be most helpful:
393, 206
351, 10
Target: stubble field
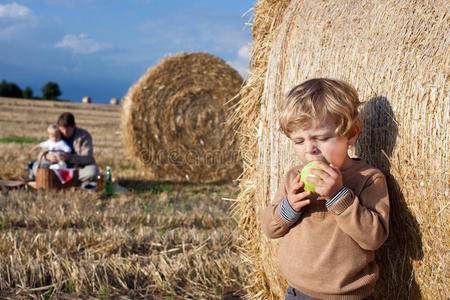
162, 241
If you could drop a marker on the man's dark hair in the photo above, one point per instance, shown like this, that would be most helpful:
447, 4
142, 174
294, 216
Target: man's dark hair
66, 119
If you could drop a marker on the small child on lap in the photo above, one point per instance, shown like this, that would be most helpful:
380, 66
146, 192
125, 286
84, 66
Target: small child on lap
328, 238
54, 144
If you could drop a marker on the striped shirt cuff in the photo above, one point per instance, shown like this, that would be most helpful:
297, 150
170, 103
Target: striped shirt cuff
336, 197
287, 212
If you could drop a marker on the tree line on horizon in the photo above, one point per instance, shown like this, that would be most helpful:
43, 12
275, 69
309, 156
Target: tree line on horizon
50, 91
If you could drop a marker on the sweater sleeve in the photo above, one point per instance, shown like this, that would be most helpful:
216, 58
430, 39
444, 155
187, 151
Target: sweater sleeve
85, 154
365, 218
274, 225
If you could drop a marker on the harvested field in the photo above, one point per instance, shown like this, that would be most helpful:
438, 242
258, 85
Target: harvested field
163, 241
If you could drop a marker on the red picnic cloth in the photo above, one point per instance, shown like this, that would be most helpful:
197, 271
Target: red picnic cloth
64, 174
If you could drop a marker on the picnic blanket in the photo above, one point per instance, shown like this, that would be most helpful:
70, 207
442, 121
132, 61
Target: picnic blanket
64, 174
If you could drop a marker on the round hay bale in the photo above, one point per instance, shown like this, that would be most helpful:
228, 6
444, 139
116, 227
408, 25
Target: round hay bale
173, 120
114, 101
396, 55
86, 100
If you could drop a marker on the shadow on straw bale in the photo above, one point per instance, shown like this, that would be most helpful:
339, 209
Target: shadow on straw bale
376, 145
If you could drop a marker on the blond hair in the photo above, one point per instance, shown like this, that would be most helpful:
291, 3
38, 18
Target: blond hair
52, 129
317, 99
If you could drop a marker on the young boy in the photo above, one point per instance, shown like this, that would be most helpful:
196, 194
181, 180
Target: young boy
329, 238
54, 143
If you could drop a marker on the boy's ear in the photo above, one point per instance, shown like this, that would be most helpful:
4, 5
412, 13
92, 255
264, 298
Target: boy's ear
356, 132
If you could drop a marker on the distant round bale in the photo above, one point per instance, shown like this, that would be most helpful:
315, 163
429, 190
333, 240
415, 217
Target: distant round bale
87, 100
114, 101
174, 120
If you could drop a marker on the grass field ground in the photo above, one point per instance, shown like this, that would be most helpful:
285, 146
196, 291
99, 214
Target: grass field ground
163, 241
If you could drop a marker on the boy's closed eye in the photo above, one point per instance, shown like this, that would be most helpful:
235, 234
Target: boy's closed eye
321, 139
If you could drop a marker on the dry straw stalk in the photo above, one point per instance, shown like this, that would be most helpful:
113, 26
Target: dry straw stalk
73, 245
396, 55
173, 119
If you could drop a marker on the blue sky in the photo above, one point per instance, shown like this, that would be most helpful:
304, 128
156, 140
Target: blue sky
99, 48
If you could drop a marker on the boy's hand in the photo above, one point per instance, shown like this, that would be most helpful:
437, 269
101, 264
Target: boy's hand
64, 156
330, 181
296, 195
33, 149
51, 157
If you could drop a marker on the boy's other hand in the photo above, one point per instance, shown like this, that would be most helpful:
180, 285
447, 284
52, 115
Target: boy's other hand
51, 157
297, 197
64, 156
330, 181
33, 149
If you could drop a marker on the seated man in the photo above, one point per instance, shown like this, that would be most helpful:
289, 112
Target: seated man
80, 141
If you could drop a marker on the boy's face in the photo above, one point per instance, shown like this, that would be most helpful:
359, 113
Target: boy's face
54, 136
319, 142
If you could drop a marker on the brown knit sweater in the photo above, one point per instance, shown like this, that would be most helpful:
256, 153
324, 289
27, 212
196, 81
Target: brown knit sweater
83, 149
328, 253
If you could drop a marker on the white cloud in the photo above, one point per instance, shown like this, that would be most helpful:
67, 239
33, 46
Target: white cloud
241, 63
244, 52
82, 44
14, 11
16, 21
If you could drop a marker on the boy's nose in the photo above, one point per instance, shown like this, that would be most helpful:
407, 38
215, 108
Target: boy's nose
311, 147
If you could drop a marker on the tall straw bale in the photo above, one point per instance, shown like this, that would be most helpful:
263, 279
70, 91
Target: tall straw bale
247, 116
396, 55
173, 120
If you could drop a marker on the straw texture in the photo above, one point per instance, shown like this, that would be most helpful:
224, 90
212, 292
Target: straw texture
173, 120
247, 117
396, 55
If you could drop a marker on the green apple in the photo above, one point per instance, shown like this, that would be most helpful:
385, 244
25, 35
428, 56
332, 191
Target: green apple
306, 171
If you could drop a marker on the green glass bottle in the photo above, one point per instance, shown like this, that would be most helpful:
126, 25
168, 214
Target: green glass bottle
109, 189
